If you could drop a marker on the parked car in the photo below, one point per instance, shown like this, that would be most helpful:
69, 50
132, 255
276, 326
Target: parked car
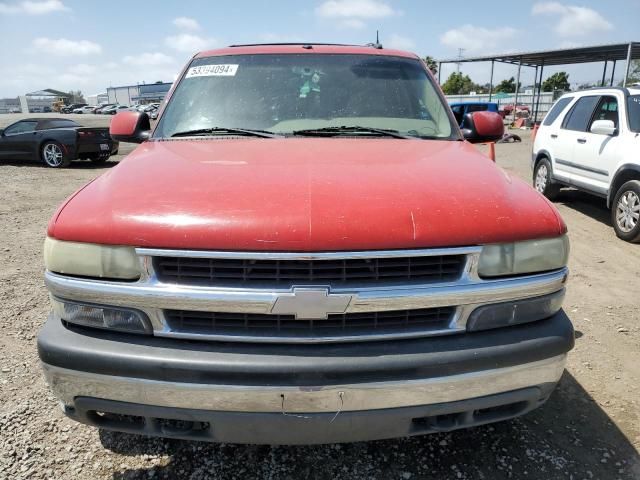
150, 107
85, 109
100, 109
70, 108
302, 264
15, 110
113, 109
55, 141
589, 140
460, 109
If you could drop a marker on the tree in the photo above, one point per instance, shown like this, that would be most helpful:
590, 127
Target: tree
431, 64
557, 81
460, 84
507, 86
634, 72
76, 97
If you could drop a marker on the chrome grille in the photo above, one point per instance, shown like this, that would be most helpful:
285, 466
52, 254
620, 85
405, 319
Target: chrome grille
211, 271
284, 326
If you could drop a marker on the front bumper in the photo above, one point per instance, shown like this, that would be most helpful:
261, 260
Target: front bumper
284, 394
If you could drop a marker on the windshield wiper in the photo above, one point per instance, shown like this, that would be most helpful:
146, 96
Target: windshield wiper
331, 131
225, 131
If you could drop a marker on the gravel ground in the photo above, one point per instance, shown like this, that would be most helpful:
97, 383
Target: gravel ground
590, 428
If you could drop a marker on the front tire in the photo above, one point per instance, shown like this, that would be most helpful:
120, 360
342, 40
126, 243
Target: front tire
542, 181
99, 158
53, 155
625, 212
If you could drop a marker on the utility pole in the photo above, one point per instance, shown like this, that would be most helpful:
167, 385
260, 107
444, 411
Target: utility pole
460, 52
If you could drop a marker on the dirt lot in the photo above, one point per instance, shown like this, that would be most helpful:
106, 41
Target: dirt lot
590, 428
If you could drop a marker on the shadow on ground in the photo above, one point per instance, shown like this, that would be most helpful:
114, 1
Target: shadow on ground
589, 205
569, 437
75, 164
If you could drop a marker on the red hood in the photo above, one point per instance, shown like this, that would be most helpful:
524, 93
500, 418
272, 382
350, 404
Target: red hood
305, 194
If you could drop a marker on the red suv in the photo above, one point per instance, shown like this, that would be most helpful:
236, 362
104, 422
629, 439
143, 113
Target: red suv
304, 249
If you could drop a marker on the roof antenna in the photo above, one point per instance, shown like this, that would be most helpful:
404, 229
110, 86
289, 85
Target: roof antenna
377, 45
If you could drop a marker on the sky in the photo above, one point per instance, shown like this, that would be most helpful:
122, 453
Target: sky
90, 45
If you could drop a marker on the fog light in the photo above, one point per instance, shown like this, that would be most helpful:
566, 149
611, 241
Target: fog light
108, 318
515, 312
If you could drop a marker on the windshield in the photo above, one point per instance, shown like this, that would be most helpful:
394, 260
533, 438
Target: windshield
633, 105
290, 92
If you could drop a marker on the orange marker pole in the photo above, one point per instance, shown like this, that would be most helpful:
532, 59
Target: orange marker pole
492, 151
534, 132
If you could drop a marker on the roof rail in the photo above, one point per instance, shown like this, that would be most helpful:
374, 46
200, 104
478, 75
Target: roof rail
305, 44
280, 44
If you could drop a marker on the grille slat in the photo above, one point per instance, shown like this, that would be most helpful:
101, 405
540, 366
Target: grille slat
247, 324
211, 271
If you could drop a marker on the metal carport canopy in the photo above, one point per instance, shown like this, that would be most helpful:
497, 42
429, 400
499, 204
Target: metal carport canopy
599, 53
567, 56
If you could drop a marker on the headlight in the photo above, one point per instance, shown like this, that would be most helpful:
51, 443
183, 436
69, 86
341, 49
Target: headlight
524, 257
108, 318
91, 260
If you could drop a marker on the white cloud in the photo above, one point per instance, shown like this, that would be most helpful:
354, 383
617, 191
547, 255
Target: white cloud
353, 13
64, 47
569, 44
477, 39
33, 8
186, 23
353, 23
271, 37
187, 42
148, 59
572, 21
399, 42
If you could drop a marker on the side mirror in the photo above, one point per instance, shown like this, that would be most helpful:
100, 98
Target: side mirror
131, 127
603, 127
480, 127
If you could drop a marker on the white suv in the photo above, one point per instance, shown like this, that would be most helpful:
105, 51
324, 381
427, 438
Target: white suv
590, 140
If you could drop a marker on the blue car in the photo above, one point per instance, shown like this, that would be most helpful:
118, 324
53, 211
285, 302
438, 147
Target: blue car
460, 109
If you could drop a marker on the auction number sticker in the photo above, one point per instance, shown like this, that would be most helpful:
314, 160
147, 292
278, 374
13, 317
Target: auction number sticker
226, 70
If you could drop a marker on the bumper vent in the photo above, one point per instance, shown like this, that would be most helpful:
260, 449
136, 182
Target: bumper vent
212, 271
283, 326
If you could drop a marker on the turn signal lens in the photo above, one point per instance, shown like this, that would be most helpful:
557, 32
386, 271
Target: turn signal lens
515, 312
107, 318
91, 260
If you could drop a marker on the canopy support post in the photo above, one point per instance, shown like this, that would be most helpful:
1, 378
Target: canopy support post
604, 73
613, 72
491, 81
628, 68
515, 103
535, 115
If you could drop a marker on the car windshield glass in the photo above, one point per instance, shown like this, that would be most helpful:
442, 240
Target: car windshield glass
292, 92
633, 105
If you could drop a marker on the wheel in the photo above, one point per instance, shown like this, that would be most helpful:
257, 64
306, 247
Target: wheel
53, 155
99, 158
625, 212
542, 180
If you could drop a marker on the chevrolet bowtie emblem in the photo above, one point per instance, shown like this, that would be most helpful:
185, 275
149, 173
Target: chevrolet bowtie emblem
312, 303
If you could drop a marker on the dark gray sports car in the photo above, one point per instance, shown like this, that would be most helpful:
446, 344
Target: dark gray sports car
55, 141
